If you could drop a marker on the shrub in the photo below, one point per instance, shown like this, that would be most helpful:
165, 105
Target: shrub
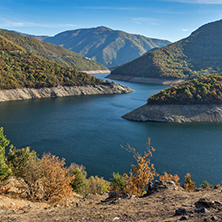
4, 169
79, 184
168, 177
97, 185
143, 173
189, 184
206, 184
118, 182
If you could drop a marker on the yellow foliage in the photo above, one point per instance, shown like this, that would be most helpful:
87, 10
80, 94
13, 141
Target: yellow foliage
168, 177
143, 173
189, 184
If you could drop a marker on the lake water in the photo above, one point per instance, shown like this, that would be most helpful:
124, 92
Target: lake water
89, 130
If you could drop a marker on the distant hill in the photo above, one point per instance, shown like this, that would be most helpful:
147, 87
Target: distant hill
195, 56
21, 69
51, 52
106, 46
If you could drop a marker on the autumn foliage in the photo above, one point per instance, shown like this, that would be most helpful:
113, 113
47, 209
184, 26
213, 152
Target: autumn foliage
143, 173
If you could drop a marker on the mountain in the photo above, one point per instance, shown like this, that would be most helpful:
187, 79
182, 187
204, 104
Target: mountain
106, 46
195, 56
51, 52
22, 69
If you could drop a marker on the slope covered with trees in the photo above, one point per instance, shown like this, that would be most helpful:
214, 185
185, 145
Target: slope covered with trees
51, 52
198, 55
106, 46
21, 69
206, 90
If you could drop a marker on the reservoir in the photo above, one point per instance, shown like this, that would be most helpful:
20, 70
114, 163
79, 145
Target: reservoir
89, 130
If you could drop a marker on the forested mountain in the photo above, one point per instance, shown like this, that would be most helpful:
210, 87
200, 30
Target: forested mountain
206, 90
51, 52
21, 69
195, 56
106, 46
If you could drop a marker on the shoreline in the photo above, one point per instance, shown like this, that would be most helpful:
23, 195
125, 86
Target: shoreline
96, 71
157, 81
176, 113
61, 91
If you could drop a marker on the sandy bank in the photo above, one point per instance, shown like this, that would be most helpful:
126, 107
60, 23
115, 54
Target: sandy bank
176, 113
145, 80
60, 91
97, 71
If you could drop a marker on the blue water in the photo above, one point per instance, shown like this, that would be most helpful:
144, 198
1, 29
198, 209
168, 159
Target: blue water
89, 130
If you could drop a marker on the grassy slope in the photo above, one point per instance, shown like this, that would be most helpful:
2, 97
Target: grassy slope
106, 46
22, 69
51, 52
198, 55
206, 90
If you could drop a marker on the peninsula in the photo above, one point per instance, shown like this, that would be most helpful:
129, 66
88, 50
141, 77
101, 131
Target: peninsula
194, 101
25, 75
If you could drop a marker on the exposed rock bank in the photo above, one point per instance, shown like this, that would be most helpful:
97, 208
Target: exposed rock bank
60, 91
176, 113
97, 71
145, 80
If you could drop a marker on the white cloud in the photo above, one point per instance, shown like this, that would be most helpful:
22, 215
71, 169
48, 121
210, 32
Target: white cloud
4, 23
142, 20
209, 2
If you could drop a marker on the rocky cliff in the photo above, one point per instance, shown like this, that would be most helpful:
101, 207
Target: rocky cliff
176, 113
60, 91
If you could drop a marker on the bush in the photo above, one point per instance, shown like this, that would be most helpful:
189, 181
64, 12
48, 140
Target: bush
4, 169
118, 182
189, 184
168, 177
206, 184
55, 179
97, 185
79, 184
143, 173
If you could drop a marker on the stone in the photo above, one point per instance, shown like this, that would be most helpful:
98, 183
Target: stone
214, 218
201, 210
180, 211
184, 217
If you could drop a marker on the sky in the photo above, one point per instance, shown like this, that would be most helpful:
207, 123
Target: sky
163, 19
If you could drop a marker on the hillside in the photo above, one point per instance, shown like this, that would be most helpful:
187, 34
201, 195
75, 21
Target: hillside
206, 90
51, 52
106, 46
195, 56
21, 69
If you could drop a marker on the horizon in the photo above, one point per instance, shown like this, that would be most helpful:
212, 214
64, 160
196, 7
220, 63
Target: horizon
161, 19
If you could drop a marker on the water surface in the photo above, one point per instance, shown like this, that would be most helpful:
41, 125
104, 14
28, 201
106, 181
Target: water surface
89, 130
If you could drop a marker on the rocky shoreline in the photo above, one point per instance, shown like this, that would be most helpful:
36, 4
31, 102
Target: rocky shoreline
176, 113
145, 80
61, 91
97, 71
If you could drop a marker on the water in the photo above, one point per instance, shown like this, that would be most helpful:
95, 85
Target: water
89, 130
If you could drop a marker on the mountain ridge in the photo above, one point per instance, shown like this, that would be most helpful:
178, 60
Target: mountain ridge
197, 55
104, 45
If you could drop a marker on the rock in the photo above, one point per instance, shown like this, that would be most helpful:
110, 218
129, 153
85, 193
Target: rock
184, 217
204, 203
214, 218
176, 113
61, 91
201, 210
181, 211
116, 218
113, 194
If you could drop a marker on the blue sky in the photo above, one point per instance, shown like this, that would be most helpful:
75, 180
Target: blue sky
164, 19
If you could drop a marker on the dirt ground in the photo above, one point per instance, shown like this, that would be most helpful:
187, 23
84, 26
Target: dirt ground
161, 205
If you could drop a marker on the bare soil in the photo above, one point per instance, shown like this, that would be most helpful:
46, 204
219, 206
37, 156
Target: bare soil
161, 205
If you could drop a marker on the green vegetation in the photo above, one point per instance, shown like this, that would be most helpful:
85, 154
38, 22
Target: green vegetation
195, 56
106, 46
206, 90
47, 178
20, 69
206, 184
52, 52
